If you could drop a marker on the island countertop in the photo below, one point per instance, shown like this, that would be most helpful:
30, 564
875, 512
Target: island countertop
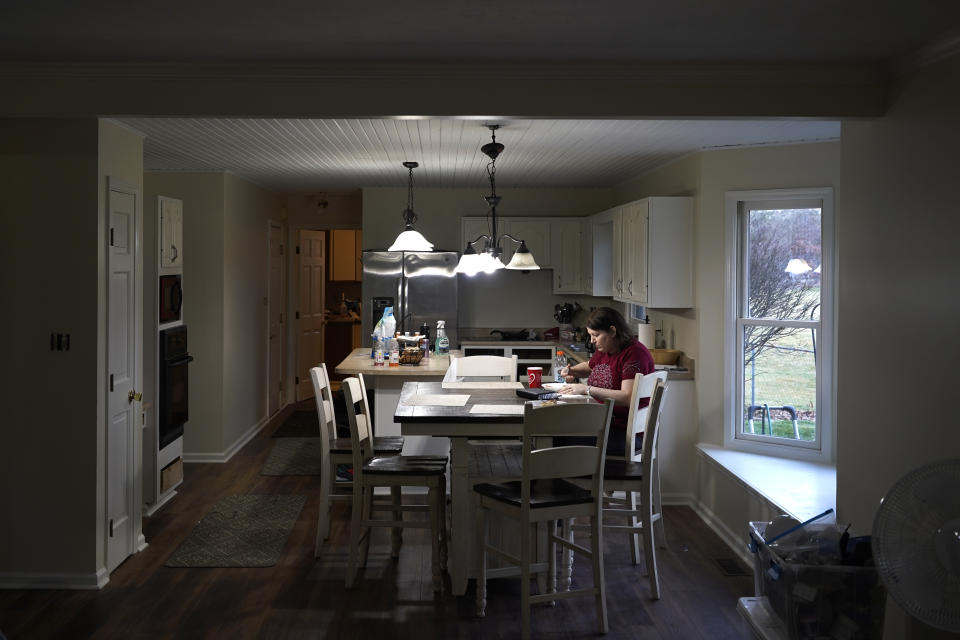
359, 361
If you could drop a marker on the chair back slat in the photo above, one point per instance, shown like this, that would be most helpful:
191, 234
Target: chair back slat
324, 398
563, 419
358, 415
481, 368
651, 434
637, 416
562, 462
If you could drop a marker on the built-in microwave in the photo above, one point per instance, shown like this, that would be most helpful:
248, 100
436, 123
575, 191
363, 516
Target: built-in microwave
171, 298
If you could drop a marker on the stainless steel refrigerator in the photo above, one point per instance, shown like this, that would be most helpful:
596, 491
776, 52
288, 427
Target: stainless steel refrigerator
420, 286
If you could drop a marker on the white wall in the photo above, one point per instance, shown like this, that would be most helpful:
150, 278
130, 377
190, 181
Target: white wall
247, 209
53, 174
49, 266
522, 300
225, 286
898, 228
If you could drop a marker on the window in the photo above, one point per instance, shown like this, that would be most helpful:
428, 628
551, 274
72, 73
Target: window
779, 340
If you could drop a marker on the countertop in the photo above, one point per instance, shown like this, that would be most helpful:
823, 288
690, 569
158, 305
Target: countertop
359, 361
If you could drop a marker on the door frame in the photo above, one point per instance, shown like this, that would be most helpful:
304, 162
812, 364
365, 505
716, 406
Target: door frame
135, 449
284, 289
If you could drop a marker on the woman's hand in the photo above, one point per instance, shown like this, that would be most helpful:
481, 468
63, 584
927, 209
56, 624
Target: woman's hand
567, 376
574, 390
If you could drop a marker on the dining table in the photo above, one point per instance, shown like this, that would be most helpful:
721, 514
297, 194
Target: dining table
465, 412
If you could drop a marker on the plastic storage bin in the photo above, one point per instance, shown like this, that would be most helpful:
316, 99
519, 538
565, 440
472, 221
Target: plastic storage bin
818, 600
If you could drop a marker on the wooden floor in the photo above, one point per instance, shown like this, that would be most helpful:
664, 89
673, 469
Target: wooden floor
304, 597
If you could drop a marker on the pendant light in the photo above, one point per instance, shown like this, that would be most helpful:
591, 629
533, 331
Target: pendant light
410, 239
487, 259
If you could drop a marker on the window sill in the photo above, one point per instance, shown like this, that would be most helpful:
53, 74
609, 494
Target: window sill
799, 488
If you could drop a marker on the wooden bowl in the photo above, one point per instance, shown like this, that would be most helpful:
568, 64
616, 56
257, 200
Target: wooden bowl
665, 356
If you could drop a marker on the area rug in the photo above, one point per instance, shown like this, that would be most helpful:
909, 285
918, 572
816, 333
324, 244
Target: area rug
240, 531
294, 457
300, 424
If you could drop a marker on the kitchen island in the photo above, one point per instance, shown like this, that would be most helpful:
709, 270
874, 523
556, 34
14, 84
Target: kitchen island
385, 383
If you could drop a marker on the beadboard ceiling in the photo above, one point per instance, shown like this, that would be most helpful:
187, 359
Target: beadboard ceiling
302, 156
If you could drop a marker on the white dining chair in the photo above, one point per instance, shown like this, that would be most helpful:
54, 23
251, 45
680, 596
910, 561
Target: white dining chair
640, 483
335, 452
543, 495
371, 471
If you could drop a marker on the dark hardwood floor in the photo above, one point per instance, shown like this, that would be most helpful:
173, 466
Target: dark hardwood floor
304, 597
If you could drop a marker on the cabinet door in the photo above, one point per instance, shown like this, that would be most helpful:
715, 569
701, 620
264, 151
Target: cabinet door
586, 257
634, 258
536, 233
358, 253
470, 229
565, 251
343, 259
171, 232
619, 292
670, 252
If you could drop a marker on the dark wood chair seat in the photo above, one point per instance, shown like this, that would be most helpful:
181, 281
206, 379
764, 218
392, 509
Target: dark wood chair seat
384, 445
406, 465
551, 492
623, 470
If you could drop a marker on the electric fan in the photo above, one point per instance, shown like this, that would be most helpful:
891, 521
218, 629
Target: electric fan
916, 544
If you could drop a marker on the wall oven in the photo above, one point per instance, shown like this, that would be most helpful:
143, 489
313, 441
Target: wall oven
174, 384
171, 298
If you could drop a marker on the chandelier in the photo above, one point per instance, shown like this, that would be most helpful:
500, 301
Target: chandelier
483, 253
410, 239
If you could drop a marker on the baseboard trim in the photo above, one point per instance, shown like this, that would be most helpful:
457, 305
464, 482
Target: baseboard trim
221, 458
37, 580
737, 543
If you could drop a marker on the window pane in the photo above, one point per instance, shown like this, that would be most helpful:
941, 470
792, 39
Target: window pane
783, 263
779, 382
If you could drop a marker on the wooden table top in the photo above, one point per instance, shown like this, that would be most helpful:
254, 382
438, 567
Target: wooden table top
409, 413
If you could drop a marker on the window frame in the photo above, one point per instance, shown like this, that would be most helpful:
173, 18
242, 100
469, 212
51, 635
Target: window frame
735, 292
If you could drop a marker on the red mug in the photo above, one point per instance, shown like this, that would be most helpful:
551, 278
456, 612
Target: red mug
535, 376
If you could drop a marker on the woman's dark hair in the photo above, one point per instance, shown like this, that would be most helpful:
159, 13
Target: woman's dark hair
602, 318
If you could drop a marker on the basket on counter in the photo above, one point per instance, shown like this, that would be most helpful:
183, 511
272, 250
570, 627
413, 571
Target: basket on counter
411, 355
665, 356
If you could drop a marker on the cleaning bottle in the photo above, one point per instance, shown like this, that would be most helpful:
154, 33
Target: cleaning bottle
558, 364
443, 343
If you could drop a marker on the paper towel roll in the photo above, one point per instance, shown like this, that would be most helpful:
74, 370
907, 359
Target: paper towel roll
647, 335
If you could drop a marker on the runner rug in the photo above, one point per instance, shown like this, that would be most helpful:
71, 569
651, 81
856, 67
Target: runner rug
294, 457
240, 531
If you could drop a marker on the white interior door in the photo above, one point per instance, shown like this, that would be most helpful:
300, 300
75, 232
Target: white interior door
124, 342
275, 336
310, 312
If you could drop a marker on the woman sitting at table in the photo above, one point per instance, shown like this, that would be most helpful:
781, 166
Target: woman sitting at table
619, 356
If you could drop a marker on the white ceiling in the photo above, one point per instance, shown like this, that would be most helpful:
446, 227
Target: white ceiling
302, 156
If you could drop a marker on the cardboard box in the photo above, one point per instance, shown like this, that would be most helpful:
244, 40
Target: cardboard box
819, 600
171, 475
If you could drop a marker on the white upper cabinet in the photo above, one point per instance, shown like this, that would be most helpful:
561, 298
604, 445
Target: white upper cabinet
171, 233
470, 229
566, 249
652, 261
535, 232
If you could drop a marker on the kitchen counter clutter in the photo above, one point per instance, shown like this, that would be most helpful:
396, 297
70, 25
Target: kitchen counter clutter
359, 361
